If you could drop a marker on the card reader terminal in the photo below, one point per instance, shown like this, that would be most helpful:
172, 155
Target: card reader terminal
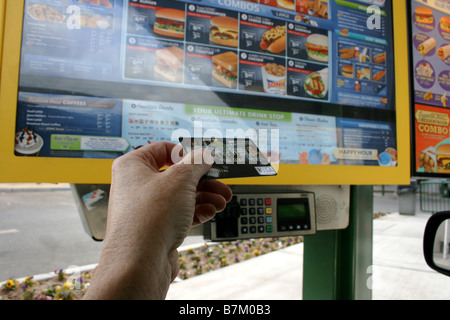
265, 215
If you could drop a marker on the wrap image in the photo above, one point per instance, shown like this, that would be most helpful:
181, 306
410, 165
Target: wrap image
427, 46
444, 52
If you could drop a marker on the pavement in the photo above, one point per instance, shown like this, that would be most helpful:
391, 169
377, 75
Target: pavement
399, 271
31, 187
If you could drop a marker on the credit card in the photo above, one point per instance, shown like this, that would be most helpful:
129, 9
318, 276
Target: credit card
233, 157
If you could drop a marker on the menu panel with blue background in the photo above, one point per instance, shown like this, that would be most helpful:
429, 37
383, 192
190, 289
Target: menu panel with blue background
100, 78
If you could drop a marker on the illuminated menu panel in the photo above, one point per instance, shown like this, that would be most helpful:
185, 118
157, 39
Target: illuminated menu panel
100, 78
430, 68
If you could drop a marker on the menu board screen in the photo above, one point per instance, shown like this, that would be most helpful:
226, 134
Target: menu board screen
314, 79
430, 50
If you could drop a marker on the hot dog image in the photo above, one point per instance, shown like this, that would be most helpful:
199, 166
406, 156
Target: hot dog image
274, 40
444, 52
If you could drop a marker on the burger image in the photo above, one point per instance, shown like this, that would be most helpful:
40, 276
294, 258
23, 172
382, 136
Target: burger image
443, 158
224, 31
424, 15
347, 70
317, 47
274, 40
169, 22
286, 4
445, 23
225, 68
170, 63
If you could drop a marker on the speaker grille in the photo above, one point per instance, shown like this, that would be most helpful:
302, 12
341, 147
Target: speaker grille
326, 209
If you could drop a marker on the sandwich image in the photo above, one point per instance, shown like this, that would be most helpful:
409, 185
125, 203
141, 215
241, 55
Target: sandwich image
225, 68
170, 63
317, 47
427, 46
274, 40
444, 52
347, 70
445, 23
224, 31
286, 4
363, 73
424, 15
443, 158
169, 22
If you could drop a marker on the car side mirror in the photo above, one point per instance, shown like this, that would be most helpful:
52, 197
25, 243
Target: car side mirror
436, 242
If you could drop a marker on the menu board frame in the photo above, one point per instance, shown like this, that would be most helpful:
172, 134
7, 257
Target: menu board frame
430, 80
26, 169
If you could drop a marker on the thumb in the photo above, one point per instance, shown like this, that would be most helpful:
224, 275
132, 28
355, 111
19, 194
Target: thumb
197, 162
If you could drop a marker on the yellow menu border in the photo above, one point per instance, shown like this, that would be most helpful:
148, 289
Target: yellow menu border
61, 170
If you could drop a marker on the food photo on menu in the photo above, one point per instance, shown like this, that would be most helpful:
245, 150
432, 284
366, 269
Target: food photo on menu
274, 40
225, 68
169, 22
307, 80
170, 64
317, 47
224, 31
28, 143
315, 8
262, 73
89, 17
262, 34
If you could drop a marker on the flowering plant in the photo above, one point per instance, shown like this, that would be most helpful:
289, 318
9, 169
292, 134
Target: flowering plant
11, 284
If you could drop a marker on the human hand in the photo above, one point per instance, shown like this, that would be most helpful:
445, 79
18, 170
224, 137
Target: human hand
151, 211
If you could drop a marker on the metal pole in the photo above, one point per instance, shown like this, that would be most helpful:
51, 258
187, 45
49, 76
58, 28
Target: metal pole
446, 241
337, 263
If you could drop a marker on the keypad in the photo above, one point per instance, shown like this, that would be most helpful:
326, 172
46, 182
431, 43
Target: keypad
265, 215
256, 216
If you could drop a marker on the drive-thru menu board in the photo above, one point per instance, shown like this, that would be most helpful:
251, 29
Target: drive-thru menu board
430, 50
314, 79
